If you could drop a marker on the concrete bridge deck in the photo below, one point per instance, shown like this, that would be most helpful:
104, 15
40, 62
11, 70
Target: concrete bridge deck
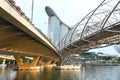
18, 36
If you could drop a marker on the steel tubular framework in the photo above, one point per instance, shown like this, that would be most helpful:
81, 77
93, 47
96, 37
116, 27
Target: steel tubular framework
99, 28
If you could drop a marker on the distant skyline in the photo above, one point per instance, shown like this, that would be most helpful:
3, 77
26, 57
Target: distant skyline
69, 11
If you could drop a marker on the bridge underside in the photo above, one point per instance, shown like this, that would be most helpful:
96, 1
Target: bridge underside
14, 41
20, 38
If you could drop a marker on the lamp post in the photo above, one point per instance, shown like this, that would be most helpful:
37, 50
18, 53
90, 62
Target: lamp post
32, 10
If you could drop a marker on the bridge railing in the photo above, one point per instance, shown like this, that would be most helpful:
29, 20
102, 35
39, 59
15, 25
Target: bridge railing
106, 14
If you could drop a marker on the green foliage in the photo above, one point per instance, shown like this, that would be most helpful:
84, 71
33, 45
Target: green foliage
1, 61
101, 58
118, 59
107, 58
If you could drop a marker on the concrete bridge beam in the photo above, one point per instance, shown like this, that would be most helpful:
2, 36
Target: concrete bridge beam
41, 63
18, 60
25, 61
35, 61
49, 62
22, 62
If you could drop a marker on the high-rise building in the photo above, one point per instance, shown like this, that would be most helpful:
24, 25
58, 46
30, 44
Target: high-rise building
56, 28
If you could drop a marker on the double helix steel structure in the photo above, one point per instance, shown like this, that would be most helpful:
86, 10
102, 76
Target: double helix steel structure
99, 28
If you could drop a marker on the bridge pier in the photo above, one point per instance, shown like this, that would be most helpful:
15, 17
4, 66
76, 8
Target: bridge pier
50, 62
3, 63
46, 63
23, 63
40, 63
11, 62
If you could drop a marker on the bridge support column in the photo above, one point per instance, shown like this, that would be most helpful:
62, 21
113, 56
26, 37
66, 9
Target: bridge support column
23, 63
35, 61
50, 63
40, 61
3, 63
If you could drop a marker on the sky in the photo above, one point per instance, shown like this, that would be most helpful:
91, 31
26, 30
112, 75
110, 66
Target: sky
69, 11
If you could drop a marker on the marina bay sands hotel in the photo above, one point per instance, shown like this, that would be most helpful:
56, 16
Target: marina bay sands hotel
57, 29
19, 37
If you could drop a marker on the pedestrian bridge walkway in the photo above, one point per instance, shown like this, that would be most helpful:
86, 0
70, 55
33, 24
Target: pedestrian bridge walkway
99, 28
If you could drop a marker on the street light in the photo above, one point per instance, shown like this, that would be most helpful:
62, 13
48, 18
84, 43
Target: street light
32, 10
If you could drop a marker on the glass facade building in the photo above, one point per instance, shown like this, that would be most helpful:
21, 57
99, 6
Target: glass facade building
56, 28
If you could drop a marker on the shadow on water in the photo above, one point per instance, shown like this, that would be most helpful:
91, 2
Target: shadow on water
47, 73
43, 74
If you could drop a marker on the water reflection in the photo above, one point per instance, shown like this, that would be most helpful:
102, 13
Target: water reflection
102, 73
70, 74
43, 74
27, 75
7, 74
85, 73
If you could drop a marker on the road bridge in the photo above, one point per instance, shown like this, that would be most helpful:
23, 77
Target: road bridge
19, 37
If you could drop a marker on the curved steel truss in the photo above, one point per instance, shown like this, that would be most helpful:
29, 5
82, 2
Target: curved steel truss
100, 27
